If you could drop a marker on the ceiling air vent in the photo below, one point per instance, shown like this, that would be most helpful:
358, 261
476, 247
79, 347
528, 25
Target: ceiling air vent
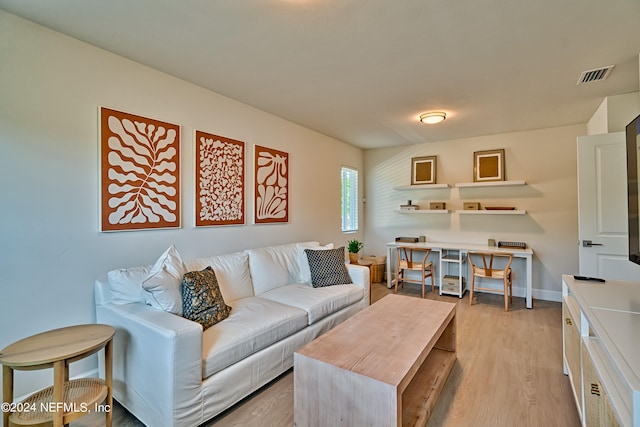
595, 75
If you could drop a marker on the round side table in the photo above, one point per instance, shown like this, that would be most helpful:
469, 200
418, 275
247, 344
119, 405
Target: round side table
66, 400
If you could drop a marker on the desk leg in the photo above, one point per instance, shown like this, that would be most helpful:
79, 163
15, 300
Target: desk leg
59, 375
389, 252
7, 391
108, 374
529, 298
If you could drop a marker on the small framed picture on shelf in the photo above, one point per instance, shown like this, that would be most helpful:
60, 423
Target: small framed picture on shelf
488, 165
423, 170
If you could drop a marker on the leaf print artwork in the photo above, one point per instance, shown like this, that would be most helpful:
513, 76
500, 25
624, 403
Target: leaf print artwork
272, 185
139, 172
219, 180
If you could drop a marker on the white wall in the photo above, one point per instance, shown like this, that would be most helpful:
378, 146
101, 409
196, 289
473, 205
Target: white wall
50, 248
614, 113
546, 159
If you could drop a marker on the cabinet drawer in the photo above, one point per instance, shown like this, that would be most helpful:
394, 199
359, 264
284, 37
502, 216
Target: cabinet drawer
598, 410
572, 340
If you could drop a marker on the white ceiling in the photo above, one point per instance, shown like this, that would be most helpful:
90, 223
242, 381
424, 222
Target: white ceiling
363, 70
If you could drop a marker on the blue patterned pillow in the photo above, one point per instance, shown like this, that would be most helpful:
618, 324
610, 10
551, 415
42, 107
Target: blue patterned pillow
202, 300
327, 267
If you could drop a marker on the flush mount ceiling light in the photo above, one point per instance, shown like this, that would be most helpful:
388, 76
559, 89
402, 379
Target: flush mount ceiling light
433, 117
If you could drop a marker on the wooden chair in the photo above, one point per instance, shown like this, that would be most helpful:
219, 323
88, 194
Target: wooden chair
486, 271
405, 262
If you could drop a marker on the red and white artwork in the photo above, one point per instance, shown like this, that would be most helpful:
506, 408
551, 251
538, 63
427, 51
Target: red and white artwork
140, 172
272, 186
219, 180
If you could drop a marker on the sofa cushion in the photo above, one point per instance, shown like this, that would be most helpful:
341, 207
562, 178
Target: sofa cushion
317, 302
274, 266
232, 272
305, 273
164, 280
328, 267
202, 300
254, 324
126, 284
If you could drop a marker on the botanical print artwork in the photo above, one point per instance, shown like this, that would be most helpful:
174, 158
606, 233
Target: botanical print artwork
272, 185
140, 172
219, 180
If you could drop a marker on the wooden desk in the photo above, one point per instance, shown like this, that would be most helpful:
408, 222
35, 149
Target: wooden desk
526, 254
355, 376
66, 400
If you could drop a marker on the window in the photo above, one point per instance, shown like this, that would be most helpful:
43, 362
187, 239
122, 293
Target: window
349, 199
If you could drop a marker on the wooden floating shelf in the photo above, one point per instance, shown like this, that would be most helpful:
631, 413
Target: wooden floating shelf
490, 184
421, 187
482, 212
422, 211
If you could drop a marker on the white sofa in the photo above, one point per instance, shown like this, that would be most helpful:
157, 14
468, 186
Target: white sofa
168, 372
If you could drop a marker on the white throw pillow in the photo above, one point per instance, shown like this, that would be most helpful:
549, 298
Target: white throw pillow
164, 282
126, 284
305, 272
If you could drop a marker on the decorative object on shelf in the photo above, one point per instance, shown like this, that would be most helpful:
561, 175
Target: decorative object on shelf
491, 242
271, 186
409, 206
354, 246
436, 205
471, 206
139, 172
488, 165
512, 245
423, 170
422, 238
219, 180
407, 239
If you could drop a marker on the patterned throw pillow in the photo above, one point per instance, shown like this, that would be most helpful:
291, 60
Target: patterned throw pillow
327, 267
202, 300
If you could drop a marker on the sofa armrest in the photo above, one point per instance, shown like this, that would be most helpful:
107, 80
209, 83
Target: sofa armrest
157, 363
361, 275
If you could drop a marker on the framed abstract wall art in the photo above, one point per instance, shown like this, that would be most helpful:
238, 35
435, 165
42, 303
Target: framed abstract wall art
271, 192
139, 172
423, 170
219, 185
488, 165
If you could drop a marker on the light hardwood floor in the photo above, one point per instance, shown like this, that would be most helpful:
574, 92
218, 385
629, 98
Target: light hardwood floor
508, 373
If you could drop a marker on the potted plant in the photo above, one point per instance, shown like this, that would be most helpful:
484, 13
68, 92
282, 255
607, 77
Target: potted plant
354, 246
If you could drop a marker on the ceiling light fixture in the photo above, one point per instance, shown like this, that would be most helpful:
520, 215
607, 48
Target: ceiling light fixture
433, 117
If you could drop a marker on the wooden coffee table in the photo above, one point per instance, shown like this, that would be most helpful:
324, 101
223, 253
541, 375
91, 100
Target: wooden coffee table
385, 366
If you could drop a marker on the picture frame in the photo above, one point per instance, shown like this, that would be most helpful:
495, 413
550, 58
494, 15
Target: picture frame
219, 180
139, 172
488, 165
423, 170
271, 188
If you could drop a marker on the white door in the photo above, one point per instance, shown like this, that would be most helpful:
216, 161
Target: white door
602, 208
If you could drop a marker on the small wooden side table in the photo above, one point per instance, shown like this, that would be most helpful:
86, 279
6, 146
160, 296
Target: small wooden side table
66, 400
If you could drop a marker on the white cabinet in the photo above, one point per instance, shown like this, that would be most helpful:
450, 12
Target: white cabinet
603, 363
571, 347
452, 284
